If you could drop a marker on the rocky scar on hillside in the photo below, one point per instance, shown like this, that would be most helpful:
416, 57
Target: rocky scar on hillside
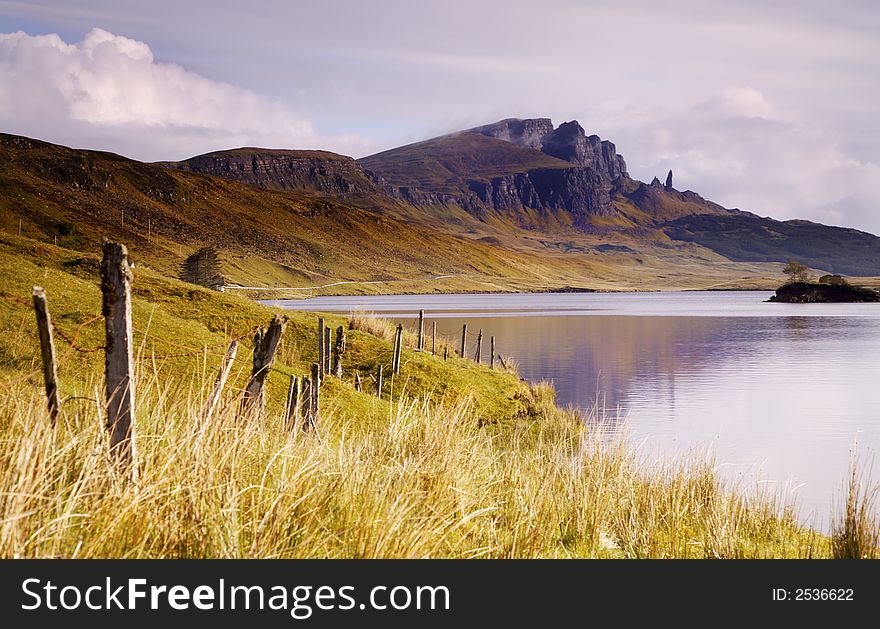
812, 293
317, 171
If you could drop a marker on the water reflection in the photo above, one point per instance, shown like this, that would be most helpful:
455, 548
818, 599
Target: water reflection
778, 391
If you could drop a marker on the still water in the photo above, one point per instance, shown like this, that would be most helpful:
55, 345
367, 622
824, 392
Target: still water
779, 392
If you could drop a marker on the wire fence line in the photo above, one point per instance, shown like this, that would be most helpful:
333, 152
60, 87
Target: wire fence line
71, 338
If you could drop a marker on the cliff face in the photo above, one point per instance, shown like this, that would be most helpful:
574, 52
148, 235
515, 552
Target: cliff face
571, 143
581, 191
318, 171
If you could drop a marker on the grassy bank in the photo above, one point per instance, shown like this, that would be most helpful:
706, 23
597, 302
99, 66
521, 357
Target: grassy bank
454, 460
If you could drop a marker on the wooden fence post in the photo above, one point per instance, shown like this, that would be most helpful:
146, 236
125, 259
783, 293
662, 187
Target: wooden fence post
291, 411
118, 355
492, 356
220, 382
463, 340
306, 402
398, 345
325, 370
421, 342
379, 382
433, 338
47, 350
321, 344
316, 395
445, 351
478, 355
265, 345
338, 351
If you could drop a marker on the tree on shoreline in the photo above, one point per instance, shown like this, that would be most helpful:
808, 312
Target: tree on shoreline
796, 271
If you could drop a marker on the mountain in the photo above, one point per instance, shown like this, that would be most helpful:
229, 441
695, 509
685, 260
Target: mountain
530, 174
497, 172
514, 205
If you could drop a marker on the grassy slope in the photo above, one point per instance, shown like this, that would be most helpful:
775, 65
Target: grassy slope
172, 317
752, 238
395, 477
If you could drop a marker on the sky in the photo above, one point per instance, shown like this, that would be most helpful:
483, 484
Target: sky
771, 107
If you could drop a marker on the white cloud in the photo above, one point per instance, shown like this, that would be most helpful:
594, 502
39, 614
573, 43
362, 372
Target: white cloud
109, 91
741, 149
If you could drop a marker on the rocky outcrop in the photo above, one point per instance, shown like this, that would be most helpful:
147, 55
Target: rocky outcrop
810, 293
567, 142
529, 132
582, 192
669, 180
317, 171
570, 142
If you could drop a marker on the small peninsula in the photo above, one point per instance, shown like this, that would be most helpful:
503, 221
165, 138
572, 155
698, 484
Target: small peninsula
812, 292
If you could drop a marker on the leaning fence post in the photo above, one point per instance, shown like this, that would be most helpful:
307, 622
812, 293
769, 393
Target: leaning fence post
220, 381
433, 338
421, 342
47, 349
398, 344
291, 410
463, 339
265, 344
118, 355
492, 355
379, 381
478, 355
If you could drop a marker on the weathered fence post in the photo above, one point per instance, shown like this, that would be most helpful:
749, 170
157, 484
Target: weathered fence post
492, 355
357, 381
338, 351
265, 345
306, 402
379, 381
433, 338
445, 351
478, 355
321, 344
421, 342
398, 350
118, 355
291, 410
220, 381
314, 407
325, 370
47, 349
463, 339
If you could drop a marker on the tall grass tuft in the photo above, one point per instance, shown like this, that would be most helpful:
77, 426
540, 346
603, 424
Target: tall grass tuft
855, 524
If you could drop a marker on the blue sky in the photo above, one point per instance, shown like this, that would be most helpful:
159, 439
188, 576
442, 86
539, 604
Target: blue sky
770, 107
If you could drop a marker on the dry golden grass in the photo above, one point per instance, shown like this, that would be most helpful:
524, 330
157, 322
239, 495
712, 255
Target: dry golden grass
428, 481
855, 530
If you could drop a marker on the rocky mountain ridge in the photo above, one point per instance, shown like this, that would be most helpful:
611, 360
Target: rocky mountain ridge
317, 171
